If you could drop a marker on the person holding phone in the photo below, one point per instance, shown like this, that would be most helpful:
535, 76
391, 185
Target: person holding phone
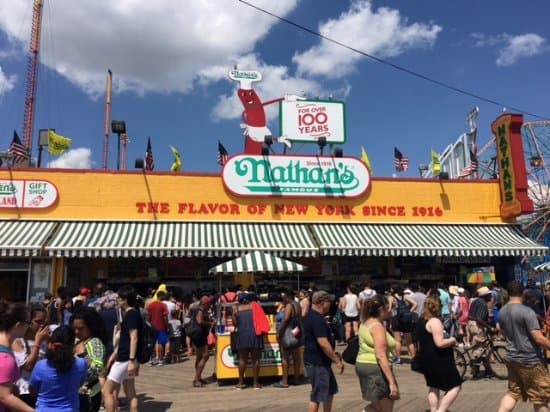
29, 349
125, 367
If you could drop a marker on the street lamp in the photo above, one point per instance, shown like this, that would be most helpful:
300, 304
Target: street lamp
118, 127
6, 157
321, 142
423, 168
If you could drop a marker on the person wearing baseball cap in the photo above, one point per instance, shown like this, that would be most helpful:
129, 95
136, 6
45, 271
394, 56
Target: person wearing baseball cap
82, 297
319, 353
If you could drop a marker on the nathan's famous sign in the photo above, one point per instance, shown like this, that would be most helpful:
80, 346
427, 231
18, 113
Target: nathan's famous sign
511, 162
295, 176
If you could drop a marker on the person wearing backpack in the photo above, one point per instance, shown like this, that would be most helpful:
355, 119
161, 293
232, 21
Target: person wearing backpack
402, 323
292, 318
229, 296
125, 367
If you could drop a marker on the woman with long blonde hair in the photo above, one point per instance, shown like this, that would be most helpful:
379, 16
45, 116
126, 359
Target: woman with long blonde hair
436, 357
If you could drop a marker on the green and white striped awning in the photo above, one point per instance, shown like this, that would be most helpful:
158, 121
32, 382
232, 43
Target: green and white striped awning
23, 238
543, 267
258, 262
165, 239
424, 240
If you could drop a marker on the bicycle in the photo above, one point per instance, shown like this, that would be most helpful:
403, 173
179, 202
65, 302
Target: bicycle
496, 354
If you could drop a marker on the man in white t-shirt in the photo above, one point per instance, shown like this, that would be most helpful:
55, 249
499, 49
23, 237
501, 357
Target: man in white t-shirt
171, 305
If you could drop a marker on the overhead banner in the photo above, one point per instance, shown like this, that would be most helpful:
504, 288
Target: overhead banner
295, 176
515, 200
308, 120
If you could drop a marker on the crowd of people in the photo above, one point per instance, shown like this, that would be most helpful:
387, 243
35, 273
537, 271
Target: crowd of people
75, 353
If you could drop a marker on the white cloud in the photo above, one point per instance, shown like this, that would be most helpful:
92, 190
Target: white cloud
80, 158
484, 40
524, 45
511, 48
382, 32
156, 46
7, 83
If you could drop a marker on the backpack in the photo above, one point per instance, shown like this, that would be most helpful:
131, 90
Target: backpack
502, 298
403, 312
146, 342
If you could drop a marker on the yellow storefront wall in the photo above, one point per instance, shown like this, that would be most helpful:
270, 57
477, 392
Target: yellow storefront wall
98, 195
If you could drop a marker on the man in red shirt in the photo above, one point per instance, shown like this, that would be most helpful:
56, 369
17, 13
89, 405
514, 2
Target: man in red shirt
157, 312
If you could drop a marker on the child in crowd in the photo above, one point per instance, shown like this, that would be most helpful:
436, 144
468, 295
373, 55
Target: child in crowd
175, 330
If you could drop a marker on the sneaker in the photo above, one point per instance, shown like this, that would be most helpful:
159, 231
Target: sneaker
396, 360
153, 362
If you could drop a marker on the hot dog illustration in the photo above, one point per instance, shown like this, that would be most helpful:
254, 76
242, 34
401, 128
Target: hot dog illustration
253, 116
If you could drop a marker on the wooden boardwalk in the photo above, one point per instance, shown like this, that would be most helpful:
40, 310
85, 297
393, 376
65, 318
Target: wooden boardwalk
169, 388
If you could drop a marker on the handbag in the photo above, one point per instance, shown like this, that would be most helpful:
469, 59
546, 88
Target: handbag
233, 342
293, 336
416, 365
350, 353
289, 340
211, 339
193, 329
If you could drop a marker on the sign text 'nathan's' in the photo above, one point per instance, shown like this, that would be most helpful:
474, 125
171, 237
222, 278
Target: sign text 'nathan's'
295, 176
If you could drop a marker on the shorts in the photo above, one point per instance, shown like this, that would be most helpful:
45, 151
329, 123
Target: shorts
373, 382
175, 344
162, 337
529, 382
403, 327
323, 382
350, 318
200, 342
119, 372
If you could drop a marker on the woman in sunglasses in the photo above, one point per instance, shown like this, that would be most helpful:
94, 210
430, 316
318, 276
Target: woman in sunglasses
29, 349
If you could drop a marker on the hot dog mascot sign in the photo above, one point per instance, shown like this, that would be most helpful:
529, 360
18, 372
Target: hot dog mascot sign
254, 119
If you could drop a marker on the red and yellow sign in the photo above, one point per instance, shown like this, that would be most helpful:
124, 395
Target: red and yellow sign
137, 196
511, 162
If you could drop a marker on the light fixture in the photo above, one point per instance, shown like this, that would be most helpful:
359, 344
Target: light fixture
443, 176
139, 164
268, 140
118, 127
6, 157
423, 168
338, 152
265, 150
535, 161
321, 142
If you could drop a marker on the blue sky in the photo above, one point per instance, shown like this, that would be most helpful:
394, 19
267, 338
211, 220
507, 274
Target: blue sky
170, 65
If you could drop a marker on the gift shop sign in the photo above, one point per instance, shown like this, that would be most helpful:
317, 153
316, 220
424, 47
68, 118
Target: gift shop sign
295, 176
308, 120
27, 194
511, 163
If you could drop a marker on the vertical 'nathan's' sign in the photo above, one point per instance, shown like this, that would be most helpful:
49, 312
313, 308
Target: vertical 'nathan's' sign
295, 176
511, 162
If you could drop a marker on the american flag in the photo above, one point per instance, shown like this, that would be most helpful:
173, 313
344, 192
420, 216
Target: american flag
149, 162
222, 154
472, 168
20, 152
400, 162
